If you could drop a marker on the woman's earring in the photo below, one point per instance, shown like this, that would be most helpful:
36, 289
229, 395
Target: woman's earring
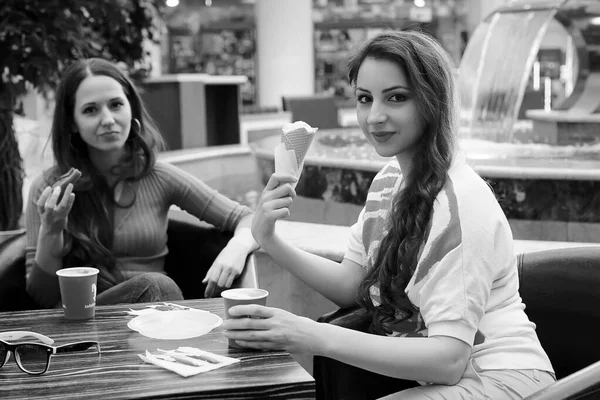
139, 126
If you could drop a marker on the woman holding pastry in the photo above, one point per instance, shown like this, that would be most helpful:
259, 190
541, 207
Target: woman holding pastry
105, 201
430, 259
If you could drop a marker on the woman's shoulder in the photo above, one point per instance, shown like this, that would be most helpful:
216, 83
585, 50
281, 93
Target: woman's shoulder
168, 174
473, 197
466, 180
163, 168
391, 168
166, 170
387, 176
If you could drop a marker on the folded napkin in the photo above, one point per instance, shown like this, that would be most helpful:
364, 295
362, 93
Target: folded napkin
295, 141
187, 361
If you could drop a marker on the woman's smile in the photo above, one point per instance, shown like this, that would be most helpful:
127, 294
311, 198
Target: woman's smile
382, 136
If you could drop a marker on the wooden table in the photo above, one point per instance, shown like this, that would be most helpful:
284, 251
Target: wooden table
118, 373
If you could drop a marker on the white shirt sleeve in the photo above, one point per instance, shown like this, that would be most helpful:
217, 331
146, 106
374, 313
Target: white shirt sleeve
356, 248
453, 280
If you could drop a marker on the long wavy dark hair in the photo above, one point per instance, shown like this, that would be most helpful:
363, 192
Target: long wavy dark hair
90, 229
428, 69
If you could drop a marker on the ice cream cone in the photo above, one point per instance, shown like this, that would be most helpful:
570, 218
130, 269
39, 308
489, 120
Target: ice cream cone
295, 141
298, 136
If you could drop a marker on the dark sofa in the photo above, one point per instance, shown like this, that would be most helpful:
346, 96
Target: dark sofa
561, 291
193, 246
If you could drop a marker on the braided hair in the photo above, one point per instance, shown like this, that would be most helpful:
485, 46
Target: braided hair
428, 69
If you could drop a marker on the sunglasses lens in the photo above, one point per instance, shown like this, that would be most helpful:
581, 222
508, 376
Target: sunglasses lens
2, 354
33, 358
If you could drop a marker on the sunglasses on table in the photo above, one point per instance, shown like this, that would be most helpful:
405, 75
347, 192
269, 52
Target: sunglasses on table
34, 358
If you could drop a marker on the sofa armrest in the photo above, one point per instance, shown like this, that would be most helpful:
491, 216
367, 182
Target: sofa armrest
563, 282
583, 384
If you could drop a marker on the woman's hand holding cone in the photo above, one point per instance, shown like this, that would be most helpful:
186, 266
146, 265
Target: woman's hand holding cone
273, 205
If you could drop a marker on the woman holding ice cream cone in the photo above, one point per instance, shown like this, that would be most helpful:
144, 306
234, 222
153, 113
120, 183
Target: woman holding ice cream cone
430, 259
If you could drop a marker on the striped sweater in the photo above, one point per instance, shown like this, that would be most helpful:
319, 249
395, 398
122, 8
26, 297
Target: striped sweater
140, 235
466, 281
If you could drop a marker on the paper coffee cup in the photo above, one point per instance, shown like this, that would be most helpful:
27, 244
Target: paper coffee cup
78, 291
235, 297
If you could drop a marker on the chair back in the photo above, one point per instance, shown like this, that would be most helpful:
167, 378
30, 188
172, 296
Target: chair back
561, 292
319, 111
193, 247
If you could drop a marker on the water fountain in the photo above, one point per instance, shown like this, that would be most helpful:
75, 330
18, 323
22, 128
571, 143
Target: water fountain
543, 164
500, 61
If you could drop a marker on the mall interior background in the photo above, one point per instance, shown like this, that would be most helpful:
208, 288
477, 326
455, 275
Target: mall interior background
223, 37
299, 47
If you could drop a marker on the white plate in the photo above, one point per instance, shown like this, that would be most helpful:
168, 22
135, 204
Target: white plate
178, 324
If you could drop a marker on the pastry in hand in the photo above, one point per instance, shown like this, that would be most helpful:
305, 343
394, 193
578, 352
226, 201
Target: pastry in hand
70, 177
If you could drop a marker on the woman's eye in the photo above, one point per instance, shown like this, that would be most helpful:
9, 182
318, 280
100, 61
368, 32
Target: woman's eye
399, 98
117, 104
89, 110
361, 98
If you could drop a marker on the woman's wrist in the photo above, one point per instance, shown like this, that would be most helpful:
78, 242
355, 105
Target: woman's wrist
47, 268
50, 232
243, 239
271, 243
51, 240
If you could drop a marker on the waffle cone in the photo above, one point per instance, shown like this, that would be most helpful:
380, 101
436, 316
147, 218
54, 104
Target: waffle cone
299, 140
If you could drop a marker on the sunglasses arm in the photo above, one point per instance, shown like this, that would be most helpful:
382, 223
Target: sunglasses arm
73, 347
17, 335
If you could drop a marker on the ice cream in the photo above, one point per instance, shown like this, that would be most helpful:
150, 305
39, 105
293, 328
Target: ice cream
296, 138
